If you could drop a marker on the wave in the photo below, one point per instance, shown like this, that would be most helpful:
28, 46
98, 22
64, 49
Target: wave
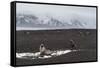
37, 55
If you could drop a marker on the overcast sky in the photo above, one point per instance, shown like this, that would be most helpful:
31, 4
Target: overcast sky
59, 12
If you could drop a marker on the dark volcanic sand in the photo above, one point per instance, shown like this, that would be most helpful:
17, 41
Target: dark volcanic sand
29, 41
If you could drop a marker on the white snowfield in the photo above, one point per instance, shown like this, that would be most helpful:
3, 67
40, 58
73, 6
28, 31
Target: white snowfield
37, 54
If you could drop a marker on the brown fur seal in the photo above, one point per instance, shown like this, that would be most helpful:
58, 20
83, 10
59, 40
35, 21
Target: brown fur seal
44, 51
72, 44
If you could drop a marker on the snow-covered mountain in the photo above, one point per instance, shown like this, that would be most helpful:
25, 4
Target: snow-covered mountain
33, 21
48, 22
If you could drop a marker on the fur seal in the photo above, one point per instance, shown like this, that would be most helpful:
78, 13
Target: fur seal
72, 44
44, 51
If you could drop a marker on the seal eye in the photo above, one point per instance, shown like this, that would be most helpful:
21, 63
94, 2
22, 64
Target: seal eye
41, 45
